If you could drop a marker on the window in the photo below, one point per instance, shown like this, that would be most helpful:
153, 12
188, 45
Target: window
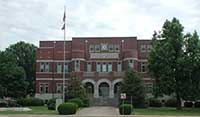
130, 63
91, 48
149, 88
77, 66
98, 67
116, 48
44, 88
66, 68
143, 67
97, 48
109, 67
41, 67
89, 67
47, 67
143, 48
111, 48
59, 68
104, 67
149, 48
59, 87
119, 67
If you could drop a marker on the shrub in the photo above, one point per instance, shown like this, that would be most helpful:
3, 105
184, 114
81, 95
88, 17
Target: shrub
125, 109
171, 103
30, 102
51, 104
86, 102
12, 103
154, 102
3, 104
67, 108
197, 104
188, 104
77, 101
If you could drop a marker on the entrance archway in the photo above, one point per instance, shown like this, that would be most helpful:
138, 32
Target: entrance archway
117, 88
104, 89
89, 87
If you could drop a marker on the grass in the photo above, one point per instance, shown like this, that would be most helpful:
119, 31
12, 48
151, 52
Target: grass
168, 111
35, 110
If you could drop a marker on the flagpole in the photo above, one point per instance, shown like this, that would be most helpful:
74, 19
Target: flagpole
64, 59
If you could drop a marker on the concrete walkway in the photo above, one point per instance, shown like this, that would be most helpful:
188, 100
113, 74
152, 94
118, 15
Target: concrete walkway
98, 111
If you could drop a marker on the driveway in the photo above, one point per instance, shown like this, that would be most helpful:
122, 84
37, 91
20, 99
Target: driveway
98, 110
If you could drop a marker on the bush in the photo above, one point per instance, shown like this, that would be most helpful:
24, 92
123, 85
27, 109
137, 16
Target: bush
77, 101
154, 102
12, 103
3, 104
67, 108
197, 104
86, 102
30, 102
51, 104
171, 103
188, 104
125, 109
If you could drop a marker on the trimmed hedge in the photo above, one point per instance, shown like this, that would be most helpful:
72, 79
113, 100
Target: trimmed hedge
77, 101
30, 102
86, 102
171, 103
153, 102
51, 104
67, 108
125, 109
3, 104
197, 104
188, 104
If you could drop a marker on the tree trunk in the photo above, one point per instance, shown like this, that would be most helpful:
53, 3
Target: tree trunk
178, 98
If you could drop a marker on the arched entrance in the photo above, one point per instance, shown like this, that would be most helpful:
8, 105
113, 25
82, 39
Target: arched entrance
117, 89
104, 89
89, 87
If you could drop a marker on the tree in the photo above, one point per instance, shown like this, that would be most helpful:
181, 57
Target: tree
167, 61
25, 55
12, 77
192, 66
75, 88
133, 86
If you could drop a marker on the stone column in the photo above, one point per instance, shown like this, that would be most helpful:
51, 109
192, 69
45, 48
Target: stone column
111, 95
96, 91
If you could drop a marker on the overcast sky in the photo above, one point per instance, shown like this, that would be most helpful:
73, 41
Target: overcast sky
35, 20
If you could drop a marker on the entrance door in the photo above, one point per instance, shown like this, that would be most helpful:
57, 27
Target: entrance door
104, 90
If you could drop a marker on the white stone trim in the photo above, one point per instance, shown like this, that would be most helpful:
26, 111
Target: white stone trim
48, 95
44, 72
53, 60
130, 58
45, 48
44, 60
80, 59
116, 81
51, 79
142, 60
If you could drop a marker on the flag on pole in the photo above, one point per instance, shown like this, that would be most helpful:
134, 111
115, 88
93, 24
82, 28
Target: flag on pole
64, 16
63, 28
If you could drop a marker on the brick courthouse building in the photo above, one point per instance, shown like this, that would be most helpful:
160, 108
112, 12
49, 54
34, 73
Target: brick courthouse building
99, 62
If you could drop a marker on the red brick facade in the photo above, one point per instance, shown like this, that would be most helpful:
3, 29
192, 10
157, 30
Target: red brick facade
108, 52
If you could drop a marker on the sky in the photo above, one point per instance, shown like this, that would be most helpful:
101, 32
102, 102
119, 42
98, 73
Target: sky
37, 20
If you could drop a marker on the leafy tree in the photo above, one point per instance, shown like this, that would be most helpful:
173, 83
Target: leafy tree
168, 61
25, 55
133, 86
12, 77
192, 67
75, 89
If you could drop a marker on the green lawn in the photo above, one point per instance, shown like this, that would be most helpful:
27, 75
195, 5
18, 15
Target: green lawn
167, 111
35, 110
